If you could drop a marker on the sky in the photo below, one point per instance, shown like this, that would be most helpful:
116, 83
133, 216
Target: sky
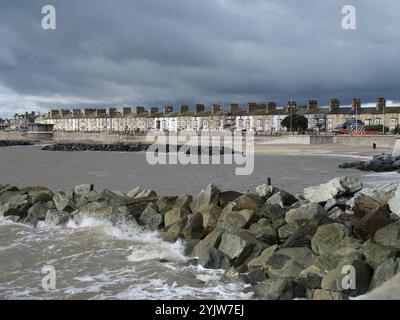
156, 52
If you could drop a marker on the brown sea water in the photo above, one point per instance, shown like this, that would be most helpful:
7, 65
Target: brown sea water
95, 260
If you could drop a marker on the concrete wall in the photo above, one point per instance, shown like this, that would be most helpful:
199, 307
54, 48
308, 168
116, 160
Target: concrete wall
96, 137
12, 136
366, 141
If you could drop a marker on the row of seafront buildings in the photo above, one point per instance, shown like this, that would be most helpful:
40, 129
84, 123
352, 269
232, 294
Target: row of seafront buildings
258, 118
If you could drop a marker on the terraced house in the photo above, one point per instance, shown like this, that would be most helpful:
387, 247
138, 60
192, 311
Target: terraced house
264, 118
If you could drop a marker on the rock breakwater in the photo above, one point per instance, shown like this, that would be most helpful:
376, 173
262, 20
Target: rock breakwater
284, 246
379, 163
10, 143
128, 147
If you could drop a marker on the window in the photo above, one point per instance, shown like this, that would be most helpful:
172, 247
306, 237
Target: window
267, 123
393, 122
248, 123
377, 122
260, 122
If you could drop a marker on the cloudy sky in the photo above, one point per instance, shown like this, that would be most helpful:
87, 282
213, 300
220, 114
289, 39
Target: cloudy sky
153, 52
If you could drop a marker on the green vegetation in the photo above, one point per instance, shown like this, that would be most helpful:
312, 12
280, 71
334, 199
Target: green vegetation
298, 122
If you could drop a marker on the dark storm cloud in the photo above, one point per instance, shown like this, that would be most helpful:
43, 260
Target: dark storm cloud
156, 51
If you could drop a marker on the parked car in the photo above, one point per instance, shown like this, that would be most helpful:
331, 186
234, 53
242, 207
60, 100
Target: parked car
347, 126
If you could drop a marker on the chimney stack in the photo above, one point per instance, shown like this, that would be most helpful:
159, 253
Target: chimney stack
233, 107
153, 110
139, 110
200, 108
168, 109
183, 108
334, 104
312, 105
355, 104
251, 107
126, 110
215, 108
271, 106
380, 103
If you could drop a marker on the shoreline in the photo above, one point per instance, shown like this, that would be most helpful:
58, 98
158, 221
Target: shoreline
244, 233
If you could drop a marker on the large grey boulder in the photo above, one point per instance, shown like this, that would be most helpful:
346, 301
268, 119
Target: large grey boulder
164, 204
211, 216
375, 254
183, 201
387, 270
307, 212
248, 202
40, 194
213, 239
394, 202
238, 246
205, 199
57, 218
341, 278
264, 231
15, 206
389, 236
367, 226
134, 192
194, 228
289, 262
332, 237
63, 202
234, 220
36, 213
212, 258
103, 211
82, 189
370, 200
260, 263
389, 290
301, 237
339, 186
281, 198
151, 217
174, 215
146, 194
279, 289
276, 214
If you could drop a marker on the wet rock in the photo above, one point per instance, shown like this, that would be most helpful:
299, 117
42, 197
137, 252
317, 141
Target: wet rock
151, 217
389, 236
260, 262
340, 186
234, 220
63, 202
103, 211
212, 258
57, 218
264, 231
301, 237
281, 198
133, 193
279, 289
330, 238
351, 277
311, 277
164, 204
11, 143
174, 215
82, 189
194, 228
253, 277
248, 202
189, 245
36, 213
183, 201
287, 230
237, 246
369, 200
146, 194
211, 240
205, 199
40, 194
371, 222
321, 294
387, 270
15, 206
375, 254
289, 262
306, 213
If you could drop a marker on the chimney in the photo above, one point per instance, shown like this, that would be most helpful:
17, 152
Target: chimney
88, 111
200, 108
112, 112
168, 109
271, 106
153, 110
183, 108
139, 109
380, 103
76, 112
101, 112
290, 105
355, 104
215, 108
54, 113
251, 106
233, 107
126, 110
334, 104
312, 105
64, 112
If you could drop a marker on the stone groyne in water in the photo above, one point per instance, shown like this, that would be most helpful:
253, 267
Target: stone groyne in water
333, 241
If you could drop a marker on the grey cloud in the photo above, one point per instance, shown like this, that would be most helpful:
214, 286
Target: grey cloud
156, 51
